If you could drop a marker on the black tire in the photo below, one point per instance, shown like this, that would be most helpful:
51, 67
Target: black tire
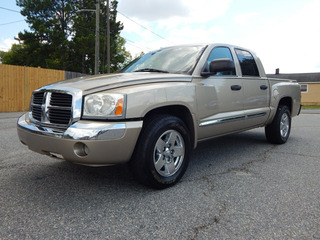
162, 153
279, 130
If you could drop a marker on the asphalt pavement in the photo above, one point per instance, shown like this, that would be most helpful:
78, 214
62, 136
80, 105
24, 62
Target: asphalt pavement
236, 187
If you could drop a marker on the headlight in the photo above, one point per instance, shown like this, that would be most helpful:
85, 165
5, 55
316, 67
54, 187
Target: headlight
104, 105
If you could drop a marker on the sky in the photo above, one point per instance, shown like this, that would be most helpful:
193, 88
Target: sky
285, 34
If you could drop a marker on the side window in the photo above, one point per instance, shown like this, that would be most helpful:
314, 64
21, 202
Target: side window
220, 53
247, 63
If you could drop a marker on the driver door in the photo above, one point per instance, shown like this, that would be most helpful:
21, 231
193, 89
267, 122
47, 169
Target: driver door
220, 99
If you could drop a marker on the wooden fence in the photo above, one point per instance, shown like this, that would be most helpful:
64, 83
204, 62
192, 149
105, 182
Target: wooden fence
17, 84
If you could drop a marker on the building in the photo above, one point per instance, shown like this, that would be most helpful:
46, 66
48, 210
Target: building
310, 86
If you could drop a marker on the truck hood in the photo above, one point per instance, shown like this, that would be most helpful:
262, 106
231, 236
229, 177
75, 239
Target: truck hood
89, 84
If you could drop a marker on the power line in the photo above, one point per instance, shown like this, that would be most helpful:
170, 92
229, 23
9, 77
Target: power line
11, 22
135, 46
132, 43
10, 10
117, 11
145, 27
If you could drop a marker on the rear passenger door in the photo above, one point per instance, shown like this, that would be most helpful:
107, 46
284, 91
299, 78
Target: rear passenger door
255, 90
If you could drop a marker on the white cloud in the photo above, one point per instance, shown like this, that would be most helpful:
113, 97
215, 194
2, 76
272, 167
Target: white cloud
289, 41
179, 10
174, 12
153, 10
292, 44
246, 19
179, 21
182, 35
202, 11
6, 43
201, 34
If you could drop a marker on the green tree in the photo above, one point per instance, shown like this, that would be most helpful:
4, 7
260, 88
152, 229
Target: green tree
50, 22
15, 56
27, 53
61, 37
84, 39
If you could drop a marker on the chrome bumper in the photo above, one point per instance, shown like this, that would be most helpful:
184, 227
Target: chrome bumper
84, 142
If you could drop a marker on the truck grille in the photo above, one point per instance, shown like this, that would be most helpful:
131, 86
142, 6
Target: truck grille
52, 108
38, 99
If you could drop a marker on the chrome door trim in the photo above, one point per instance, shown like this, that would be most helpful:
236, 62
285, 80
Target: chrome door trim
230, 119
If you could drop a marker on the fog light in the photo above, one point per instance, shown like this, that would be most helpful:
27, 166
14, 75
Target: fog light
80, 149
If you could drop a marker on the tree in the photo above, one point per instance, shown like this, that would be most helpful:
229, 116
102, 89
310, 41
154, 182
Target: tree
61, 37
15, 56
50, 22
84, 39
27, 53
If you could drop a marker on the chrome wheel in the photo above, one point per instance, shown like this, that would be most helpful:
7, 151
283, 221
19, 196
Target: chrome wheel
163, 151
284, 125
169, 153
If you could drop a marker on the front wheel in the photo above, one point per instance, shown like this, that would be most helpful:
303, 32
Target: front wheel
279, 130
162, 152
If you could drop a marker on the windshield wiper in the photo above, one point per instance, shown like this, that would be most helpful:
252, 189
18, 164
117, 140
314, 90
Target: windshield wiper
151, 70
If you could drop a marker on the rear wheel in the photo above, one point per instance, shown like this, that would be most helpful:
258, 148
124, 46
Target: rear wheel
162, 152
279, 130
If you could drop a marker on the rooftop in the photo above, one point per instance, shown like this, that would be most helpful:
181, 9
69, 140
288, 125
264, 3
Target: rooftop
300, 77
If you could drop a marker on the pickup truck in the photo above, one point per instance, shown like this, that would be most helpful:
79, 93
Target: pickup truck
153, 112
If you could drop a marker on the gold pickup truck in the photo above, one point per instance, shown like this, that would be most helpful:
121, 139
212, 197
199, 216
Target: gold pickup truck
154, 112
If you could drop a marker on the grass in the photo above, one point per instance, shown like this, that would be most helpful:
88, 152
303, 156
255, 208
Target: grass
311, 107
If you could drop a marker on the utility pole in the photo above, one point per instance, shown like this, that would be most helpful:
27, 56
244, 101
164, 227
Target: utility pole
96, 60
97, 43
108, 37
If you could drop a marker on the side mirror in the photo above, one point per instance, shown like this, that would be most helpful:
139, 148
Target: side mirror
219, 65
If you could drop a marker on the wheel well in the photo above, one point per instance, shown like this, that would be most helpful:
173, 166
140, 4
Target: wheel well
179, 111
286, 101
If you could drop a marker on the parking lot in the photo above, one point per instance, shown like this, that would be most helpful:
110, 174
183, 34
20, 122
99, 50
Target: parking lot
236, 187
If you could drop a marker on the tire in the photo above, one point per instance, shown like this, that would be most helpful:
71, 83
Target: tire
279, 130
162, 153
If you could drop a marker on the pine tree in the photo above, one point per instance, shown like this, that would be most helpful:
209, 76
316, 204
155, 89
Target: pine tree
62, 37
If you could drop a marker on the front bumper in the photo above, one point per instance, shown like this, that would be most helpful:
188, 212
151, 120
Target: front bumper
85, 142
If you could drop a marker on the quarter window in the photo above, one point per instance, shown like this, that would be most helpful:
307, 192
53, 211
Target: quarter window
220, 53
247, 63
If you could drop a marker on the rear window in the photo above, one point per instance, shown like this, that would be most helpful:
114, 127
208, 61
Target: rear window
247, 63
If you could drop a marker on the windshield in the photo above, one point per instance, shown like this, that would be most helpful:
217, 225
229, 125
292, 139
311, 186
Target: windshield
181, 59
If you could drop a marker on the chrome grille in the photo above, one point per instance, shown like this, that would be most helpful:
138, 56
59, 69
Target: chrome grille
52, 108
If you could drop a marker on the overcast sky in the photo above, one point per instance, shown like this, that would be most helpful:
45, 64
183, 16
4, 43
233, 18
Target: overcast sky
285, 34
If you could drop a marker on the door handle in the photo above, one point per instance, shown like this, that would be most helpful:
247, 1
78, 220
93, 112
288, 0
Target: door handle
263, 87
235, 87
